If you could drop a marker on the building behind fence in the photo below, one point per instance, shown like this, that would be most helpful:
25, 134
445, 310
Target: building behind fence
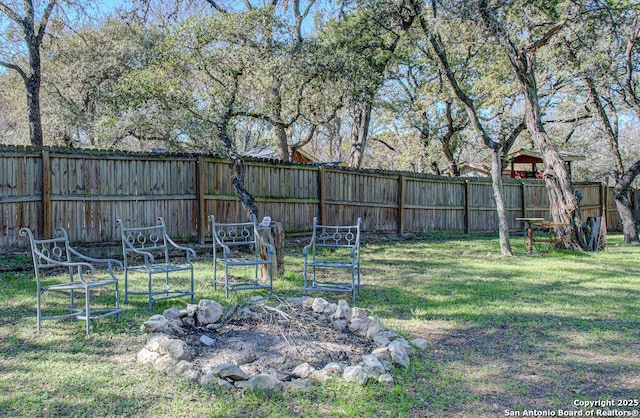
86, 192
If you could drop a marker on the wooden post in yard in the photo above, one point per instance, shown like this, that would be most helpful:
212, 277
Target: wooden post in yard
401, 193
203, 224
47, 229
274, 235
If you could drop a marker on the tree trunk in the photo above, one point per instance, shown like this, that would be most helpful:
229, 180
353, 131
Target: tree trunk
237, 179
623, 179
33, 102
359, 133
563, 203
501, 211
476, 122
623, 204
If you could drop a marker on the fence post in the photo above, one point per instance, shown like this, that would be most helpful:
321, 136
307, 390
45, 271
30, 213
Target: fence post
323, 195
523, 199
401, 204
467, 207
47, 230
202, 207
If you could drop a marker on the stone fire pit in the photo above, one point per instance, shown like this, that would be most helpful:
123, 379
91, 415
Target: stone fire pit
260, 346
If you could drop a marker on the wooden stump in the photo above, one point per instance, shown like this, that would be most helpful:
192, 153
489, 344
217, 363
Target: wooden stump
274, 235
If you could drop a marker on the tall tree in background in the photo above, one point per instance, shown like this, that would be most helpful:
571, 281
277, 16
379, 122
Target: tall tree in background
26, 26
443, 53
611, 79
366, 41
540, 23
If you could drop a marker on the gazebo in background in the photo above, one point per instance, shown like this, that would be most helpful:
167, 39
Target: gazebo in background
527, 163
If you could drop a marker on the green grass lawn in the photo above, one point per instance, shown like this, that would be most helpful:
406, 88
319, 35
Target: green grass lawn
505, 335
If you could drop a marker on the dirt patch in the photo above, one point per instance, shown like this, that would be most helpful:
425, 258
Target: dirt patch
262, 339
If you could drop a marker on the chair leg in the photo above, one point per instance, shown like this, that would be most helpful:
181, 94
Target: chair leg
150, 294
192, 288
271, 279
117, 302
226, 281
39, 310
87, 311
126, 285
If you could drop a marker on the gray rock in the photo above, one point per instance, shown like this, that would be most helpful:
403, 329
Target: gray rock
319, 305
208, 379
229, 371
390, 335
224, 384
192, 309
386, 379
262, 382
399, 353
298, 385
160, 324
359, 326
380, 340
182, 367
146, 356
188, 321
176, 348
358, 313
193, 374
206, 340
375, 327
356, 374
335, 368
341, 311
330, 309
384, 357
164, 363
154, 341
324, 375
420, 343
307, 303
209, 312
303, 370
171, 313
155, 324
407, 346
340, 324
372, 362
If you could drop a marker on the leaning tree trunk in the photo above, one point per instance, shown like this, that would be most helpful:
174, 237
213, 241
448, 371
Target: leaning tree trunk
563, 203
237, 179
623, 204
623, 178
359, 133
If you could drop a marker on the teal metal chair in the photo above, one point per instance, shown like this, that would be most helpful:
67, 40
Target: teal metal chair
61, 269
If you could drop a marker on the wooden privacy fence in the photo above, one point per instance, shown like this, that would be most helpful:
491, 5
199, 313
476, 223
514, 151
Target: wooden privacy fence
86, 192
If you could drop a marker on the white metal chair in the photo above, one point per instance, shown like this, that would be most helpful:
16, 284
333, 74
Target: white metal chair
333, 246
51, 257
146, 250
232, 239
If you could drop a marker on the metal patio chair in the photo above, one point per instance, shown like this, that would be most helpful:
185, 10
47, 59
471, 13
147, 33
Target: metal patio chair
60, 268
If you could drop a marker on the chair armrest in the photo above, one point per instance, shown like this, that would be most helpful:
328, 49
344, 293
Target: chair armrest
305, 250
226, 251
51, 262
147, 255
108, 261
191, 254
